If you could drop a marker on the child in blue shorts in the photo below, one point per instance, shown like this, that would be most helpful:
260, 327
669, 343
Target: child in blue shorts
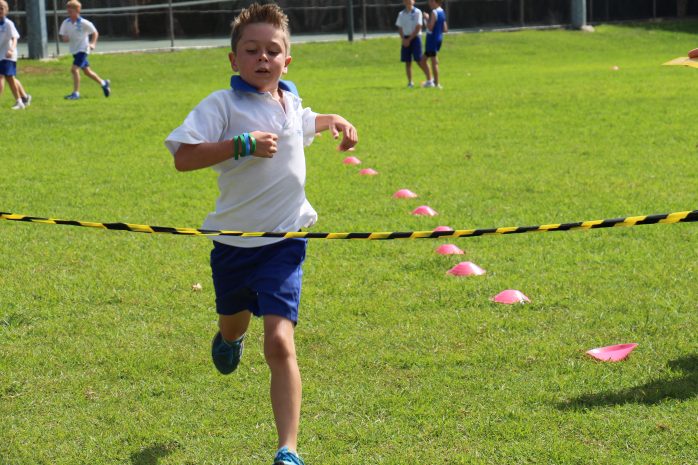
77, 30
8, 59
253, 135
436, 26
409, 24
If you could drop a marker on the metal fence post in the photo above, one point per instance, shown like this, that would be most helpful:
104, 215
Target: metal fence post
350, 20
579, 14
522, 7
55, 28
36, 29
171, 18
363, 11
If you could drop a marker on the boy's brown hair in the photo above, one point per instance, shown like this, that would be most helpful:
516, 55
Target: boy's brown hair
270, 13
73, 4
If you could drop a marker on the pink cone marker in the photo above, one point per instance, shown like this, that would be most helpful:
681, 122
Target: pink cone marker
612, 353
449, 249
466, 269
404, 194
424, 210
368, 172
442, 228
510, 296
351, 161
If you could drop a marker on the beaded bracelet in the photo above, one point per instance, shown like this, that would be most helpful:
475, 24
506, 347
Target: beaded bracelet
244, 145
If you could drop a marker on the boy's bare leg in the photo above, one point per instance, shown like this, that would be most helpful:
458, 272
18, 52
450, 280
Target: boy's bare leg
92, 75
12, 82
408, 70
234, 326
20, 89
435, 69
75, 71
2, 84
286, 388
423, 64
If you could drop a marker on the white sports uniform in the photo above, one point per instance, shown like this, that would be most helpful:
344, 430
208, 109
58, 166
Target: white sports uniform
256, 194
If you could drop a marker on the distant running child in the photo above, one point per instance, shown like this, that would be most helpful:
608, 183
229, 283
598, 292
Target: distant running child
77, 30
253, 136
409, 24
8, 59
436, 27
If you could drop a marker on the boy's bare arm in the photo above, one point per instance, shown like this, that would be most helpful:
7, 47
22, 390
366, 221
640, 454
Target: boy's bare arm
191, 157
93, 42
337, 124
11, 49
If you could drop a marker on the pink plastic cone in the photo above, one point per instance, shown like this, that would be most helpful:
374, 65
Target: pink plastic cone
404, 194
449, 249
612, 353
466, 269
424, 210
510, 296
368, 172
351, 161
442, 228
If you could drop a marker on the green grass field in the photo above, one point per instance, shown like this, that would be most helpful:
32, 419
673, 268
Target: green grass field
104, 347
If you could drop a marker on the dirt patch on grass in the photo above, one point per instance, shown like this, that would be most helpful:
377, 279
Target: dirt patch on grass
37, 70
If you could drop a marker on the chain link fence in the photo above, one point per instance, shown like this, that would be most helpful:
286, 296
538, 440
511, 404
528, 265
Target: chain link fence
123, 20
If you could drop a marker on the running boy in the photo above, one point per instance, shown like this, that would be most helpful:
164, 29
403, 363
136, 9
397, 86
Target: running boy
436, 26
8, 59
253, 135
77, 30
409, 24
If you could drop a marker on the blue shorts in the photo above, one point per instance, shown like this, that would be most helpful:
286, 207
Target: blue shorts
8, 68
80, 60
432, 46
414, 50
264, 280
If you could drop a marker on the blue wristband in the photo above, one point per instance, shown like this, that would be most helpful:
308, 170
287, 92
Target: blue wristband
247, 143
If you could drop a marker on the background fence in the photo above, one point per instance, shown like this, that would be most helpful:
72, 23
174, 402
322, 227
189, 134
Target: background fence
188, 19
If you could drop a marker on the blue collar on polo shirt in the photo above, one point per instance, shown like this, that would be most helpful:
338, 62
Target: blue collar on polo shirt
77, 21
238, 83
2, 22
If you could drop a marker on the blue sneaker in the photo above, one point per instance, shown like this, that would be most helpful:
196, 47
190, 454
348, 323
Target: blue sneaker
106, 89
73, 96
285, 457
226, 357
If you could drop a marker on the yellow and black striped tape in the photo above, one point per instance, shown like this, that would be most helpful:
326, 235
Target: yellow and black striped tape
663, 218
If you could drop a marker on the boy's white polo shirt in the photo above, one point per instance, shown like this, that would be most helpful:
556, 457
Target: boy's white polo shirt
409, 20
78, 33
256, 194
8, 31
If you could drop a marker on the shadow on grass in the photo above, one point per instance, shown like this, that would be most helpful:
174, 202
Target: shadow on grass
681, 388
152, 455
686, 26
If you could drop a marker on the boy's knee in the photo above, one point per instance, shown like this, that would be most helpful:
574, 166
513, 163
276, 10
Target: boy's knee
278, 346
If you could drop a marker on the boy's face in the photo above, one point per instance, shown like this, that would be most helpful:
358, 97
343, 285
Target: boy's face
3, 11
73, 13
261, 57
408, 4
